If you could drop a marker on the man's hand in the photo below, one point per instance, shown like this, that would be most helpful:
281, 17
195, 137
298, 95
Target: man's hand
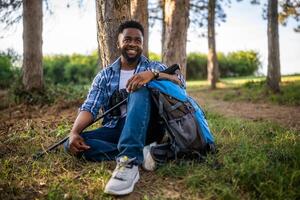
77, 144
138, 80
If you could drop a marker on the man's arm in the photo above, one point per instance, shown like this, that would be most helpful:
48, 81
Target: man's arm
76, 142
171, 77
87, 114
140, 79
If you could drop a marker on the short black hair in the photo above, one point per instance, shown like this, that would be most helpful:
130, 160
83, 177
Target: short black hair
130, 24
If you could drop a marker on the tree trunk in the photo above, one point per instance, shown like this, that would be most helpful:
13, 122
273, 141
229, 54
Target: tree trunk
32, 70
273, 76
110, 14
176, 22
212, 60
139, 12
163, 34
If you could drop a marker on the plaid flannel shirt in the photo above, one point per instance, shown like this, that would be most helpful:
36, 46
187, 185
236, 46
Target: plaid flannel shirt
106, 82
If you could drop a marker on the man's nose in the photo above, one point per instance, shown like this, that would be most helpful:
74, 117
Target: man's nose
133, 43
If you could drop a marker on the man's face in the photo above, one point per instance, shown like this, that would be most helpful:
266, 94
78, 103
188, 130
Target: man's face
130, 42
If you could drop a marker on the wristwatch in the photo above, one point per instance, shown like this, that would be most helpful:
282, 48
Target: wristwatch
155, 73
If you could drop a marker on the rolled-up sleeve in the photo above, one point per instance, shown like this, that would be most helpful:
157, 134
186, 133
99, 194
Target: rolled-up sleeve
95, 97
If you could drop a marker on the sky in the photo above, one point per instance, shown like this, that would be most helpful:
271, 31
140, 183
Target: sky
73, 30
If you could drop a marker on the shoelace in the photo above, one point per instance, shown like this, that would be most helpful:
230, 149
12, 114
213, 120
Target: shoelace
123, 163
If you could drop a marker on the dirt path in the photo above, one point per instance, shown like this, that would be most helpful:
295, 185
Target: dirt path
287, 116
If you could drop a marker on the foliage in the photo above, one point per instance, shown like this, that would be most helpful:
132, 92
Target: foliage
51, 93
74, 69
257, 91
10, 12
196, 66
252, 89
8, 71
289, 9
154, 56
239, 63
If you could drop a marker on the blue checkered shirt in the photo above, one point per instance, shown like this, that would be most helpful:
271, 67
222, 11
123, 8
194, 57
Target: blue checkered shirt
106, 82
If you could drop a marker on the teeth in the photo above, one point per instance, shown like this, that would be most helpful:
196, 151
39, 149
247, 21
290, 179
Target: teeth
131, 51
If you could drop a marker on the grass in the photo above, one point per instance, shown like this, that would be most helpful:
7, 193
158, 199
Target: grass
256, 160
252, 89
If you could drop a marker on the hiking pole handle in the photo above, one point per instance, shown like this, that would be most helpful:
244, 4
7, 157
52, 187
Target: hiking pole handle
172, 69
54, 146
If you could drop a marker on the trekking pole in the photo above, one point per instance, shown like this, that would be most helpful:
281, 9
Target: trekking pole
169, 70
54, 146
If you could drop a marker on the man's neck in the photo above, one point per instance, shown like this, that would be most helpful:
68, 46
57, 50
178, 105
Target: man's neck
128, 66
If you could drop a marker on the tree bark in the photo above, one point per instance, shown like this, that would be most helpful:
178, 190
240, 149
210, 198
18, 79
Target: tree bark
273, 76
139, 12
163, 34
32, 70
176, 22
110, 14
212, 60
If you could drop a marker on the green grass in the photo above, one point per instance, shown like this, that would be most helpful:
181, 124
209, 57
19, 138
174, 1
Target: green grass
252, 89
256, 160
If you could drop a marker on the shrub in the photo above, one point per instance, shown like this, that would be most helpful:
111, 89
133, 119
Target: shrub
196, 66
240, 63
7, 69
54, 68
75, 69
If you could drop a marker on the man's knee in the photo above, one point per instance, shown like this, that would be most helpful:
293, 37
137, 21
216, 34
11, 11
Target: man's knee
142, 92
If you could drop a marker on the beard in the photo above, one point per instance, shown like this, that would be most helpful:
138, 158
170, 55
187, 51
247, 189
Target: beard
129, 58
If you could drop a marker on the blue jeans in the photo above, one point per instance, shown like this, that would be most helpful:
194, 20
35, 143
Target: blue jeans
128, 137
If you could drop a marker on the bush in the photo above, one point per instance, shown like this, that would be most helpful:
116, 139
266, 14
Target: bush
75, 69
51, 93
7, 69
240, 63
196, 66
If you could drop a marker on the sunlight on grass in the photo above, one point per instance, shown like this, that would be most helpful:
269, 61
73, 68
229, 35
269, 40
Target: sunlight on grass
238, 81
255, 160
251, 89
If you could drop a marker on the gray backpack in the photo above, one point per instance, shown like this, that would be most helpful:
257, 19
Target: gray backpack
188, 134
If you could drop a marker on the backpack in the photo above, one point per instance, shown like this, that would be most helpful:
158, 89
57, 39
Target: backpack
188, 134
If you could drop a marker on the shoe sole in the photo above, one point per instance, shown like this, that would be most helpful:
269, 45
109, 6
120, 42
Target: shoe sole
125, 191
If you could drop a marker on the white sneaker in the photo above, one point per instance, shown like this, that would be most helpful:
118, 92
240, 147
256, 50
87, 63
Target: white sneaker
148, 164
123, 178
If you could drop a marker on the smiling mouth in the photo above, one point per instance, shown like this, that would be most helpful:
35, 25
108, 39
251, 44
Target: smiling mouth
131, 52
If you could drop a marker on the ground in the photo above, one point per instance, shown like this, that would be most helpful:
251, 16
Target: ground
56, 120
287, 116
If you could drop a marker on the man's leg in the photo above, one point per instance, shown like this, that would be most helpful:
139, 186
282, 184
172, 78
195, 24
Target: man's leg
131, 143
133, 136
103, 142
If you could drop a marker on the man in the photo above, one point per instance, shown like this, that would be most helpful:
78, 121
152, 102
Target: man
122, 137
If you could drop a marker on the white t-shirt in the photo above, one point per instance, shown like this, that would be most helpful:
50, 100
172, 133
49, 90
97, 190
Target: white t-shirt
124, 76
